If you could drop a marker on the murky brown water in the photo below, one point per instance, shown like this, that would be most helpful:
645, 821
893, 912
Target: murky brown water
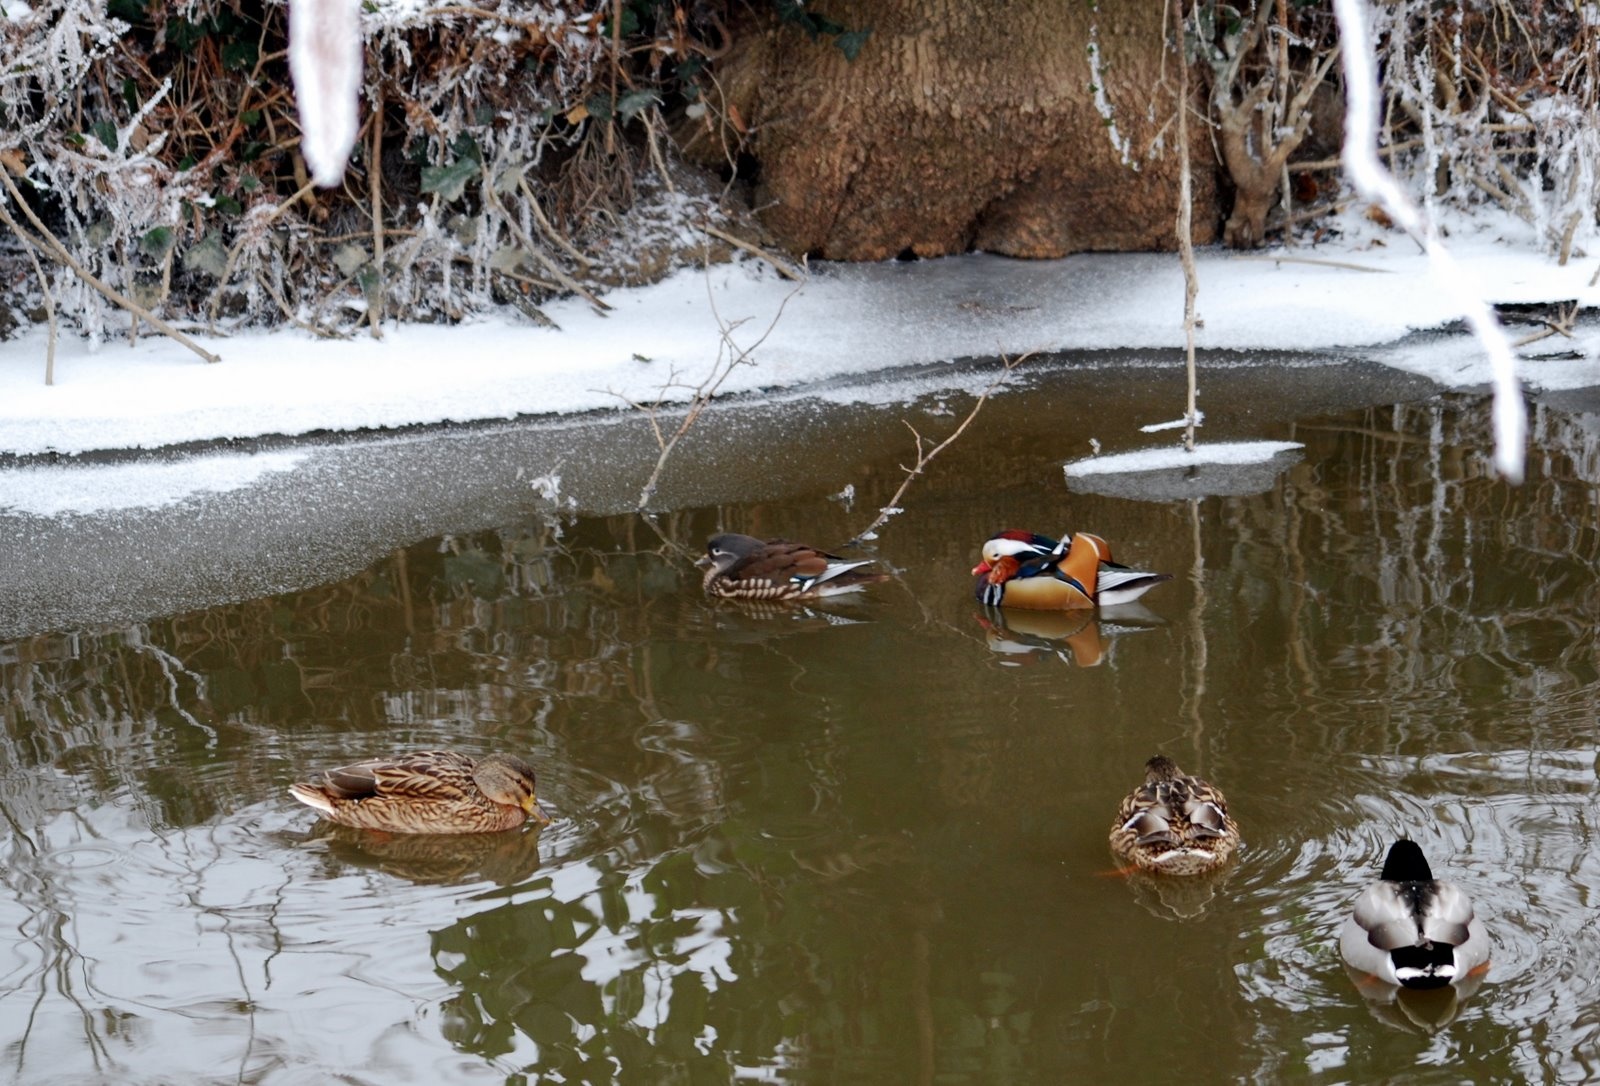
866, 843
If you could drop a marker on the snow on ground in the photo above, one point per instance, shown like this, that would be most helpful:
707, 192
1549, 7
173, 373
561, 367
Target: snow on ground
661, 341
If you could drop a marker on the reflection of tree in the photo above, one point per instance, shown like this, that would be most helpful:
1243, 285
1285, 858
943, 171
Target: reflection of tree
677, 970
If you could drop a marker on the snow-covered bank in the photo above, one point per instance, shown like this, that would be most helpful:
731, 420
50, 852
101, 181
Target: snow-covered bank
663, 339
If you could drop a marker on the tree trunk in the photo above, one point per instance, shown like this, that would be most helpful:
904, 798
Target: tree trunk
962, 126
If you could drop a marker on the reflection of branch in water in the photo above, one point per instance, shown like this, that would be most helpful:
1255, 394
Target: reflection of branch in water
137, 641
1195, 689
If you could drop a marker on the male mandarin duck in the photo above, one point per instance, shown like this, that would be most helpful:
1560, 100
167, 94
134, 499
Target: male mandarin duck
1174, 824
741, 567
1033, 571
429, 791
1412, 930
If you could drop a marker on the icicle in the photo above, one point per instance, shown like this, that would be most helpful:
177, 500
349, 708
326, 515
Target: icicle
1375, 183
325, 60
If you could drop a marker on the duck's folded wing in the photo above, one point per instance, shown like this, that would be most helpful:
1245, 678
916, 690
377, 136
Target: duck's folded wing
1386, 917
1447, 915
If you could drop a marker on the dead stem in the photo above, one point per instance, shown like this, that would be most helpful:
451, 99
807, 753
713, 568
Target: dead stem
925, 455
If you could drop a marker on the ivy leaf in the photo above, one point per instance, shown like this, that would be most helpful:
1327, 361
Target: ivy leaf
206, 256
449, 181
158, 242
107, 132
239, 56
350, 257
631, 103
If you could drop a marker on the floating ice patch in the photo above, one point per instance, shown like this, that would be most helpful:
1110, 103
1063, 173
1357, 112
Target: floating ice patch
1227, 452
1232, 468
55, 489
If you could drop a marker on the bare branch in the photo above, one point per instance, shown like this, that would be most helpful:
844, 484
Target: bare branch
924, 458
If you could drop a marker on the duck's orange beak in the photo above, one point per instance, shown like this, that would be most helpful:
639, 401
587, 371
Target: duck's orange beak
980, 569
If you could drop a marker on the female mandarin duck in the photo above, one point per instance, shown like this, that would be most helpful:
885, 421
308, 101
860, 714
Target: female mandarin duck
1025, 569
741, 567
1174, 824
1412, 930
430, 791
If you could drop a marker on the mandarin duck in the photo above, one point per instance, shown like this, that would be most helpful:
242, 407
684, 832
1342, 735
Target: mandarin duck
1412, 930
742, 567
1033, 571
1174, 824
429, 791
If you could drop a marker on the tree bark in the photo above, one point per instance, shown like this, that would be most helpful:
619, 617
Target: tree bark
966, 126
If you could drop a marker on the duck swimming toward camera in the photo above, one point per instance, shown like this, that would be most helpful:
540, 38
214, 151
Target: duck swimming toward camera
1174, 824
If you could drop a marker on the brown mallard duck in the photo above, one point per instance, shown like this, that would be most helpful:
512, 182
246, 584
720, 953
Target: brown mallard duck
430, 791
1174, 824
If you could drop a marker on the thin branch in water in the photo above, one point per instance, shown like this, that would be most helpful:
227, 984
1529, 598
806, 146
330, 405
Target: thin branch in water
925, 455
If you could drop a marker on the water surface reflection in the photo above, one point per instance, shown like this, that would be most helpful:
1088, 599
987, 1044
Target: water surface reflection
842, 843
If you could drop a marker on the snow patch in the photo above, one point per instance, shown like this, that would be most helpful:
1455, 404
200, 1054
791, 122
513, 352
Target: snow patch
49, 491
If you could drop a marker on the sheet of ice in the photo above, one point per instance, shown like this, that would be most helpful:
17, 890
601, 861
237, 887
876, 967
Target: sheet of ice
54, 490
661, 341
1175, 456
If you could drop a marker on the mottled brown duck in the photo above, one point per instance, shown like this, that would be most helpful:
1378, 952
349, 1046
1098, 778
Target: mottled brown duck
429, 791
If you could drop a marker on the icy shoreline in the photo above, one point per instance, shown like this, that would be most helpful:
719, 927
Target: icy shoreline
662, 340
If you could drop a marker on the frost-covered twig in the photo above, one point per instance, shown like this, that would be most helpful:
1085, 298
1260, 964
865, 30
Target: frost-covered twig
729, 357
925, 454
1185, 228
59, 251
784, 268
1369, 176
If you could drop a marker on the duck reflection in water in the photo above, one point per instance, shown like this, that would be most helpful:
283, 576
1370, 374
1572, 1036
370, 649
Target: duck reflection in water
1414, 1010
1176, 899
434, 859
1083, 638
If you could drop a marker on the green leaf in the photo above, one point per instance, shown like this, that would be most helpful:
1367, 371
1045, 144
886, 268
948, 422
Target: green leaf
184, 35
449, 181
599, 107
349, 257
130, 94
107, 132
228, 205
630, 24
249, 182
509, 178
76, 139
206, 256
466, 147
131, 12
250, 118
158, 242
850, 42
629, 105
239, 56
507, 258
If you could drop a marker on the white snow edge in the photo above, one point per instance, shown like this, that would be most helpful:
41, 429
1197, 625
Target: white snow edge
1224, 452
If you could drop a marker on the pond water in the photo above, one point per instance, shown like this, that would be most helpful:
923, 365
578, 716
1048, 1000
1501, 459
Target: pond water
863, 842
